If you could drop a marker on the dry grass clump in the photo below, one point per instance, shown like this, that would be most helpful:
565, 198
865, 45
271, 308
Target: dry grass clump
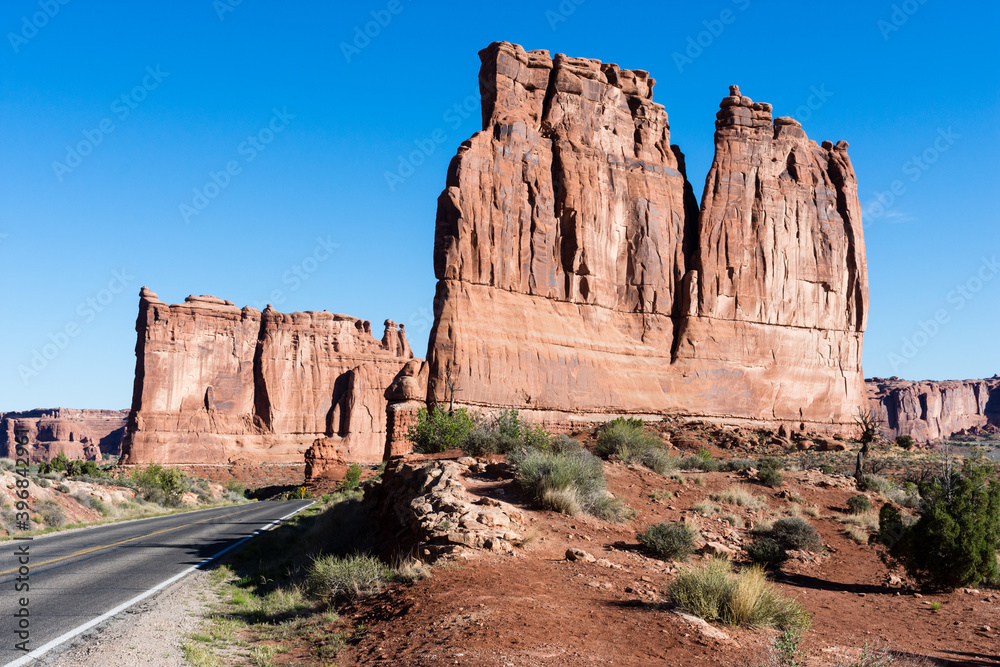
714, 593
740, 496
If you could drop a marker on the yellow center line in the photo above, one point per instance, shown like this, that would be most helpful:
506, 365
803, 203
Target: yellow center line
131, 539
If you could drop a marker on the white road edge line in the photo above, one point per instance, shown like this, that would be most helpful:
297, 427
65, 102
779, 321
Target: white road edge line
42, 650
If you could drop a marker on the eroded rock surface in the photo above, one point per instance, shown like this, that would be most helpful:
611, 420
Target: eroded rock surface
79, 434
932, 410
215, 383
577, 279
423, 506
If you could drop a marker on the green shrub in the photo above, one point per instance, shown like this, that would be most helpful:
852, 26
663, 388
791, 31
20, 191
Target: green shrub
234, 486
627, 439
740, 496
658, 460
565, 482
827, 469
698, 463
350, 577
859, 505
704, 454
875, 483
99, 505
563, 444
352, 478
668, 540
772, 462
795, 533
161, 485
439, 430
714, 593
766, 552
737, 465
50, 513
905, 441
770, 477
955, 540
44, 483
62, 488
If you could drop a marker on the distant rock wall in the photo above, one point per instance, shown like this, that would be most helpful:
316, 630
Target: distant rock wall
79, 434
216, 384
577, 279
932, 410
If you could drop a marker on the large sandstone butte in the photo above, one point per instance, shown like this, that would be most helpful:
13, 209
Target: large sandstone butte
79, 434
215, 383
578, 280
932, 410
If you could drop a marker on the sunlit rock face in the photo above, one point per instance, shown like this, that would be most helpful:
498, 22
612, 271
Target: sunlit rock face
215, 383
577, 278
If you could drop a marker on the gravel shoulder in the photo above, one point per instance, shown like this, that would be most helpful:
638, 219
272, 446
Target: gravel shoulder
151, 633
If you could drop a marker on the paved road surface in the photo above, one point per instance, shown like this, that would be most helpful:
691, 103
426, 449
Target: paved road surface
76, 577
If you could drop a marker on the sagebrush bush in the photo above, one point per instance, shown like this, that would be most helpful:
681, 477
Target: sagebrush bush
699, 463
669, 540
714, 593
766, 552
770, 477
737, 465
956, 538
875, 483
827, 469
502, 433
350, 577
859, 504
563, 444
555, 479
628, 440
772, 462
795, 533
439, 430
905, 441
50, 513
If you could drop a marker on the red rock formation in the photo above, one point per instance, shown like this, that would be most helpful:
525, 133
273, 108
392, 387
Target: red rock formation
79, 434
215, 383
405, 396
934, 410
576, 280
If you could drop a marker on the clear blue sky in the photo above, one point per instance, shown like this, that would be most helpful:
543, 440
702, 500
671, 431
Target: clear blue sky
330, 124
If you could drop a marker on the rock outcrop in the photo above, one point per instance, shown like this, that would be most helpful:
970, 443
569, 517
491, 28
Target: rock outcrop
215, 383
933, 410
577, 279
79, 434
423, 506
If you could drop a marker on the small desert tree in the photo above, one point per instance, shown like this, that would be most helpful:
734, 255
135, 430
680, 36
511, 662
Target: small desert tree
868, 423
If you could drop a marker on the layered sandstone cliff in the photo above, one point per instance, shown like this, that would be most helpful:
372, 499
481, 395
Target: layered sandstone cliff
216, 383
577, 279
932, 410
79, 434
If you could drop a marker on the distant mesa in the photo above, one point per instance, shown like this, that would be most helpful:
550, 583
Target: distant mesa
78, 434
216, 384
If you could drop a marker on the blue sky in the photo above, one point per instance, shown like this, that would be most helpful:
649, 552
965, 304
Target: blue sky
277, 138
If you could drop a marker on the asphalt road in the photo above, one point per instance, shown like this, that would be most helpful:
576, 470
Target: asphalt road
79, 576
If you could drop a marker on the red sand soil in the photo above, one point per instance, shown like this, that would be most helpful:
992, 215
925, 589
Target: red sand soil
536, 608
